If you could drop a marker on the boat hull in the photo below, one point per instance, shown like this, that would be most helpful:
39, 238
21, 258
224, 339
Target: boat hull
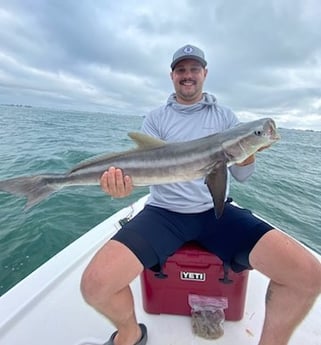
47, 306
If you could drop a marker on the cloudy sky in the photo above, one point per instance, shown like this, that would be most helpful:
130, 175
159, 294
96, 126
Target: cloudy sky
264, 56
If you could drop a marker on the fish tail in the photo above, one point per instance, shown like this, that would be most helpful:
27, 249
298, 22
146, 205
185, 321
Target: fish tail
34, 188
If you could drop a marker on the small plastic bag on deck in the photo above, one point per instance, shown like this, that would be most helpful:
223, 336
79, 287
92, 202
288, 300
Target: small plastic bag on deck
207, 315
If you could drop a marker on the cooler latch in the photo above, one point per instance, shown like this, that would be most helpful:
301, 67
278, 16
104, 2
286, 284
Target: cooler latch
161, 275
225, 279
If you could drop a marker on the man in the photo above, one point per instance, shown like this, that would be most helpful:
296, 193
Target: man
176, 213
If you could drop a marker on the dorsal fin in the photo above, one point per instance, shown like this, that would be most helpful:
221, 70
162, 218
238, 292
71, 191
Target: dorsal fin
145, 141
142, 140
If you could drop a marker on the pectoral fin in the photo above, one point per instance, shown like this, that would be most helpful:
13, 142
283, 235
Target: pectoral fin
216, 182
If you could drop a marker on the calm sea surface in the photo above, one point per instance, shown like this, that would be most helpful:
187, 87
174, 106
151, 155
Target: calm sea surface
285, 190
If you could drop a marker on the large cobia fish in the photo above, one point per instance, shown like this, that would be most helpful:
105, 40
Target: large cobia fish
157, 162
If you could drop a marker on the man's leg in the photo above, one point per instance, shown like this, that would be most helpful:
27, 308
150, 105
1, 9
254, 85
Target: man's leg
295, 284
105, 286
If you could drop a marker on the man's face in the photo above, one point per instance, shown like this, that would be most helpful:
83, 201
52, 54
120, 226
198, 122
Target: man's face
188, 78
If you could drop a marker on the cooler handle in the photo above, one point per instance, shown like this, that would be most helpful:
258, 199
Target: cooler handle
194, 264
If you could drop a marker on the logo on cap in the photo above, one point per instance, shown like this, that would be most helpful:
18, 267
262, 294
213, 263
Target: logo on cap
188, 50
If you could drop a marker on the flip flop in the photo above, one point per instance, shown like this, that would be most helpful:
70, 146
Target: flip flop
143, 339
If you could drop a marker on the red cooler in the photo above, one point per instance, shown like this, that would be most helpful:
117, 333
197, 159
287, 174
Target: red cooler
193, 270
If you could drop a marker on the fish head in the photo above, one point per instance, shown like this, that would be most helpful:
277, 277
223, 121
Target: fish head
263, 133
249, 138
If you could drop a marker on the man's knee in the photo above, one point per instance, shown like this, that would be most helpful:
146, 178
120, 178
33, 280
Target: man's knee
288, 263
312, 277
112, 268
308, 275
92, 286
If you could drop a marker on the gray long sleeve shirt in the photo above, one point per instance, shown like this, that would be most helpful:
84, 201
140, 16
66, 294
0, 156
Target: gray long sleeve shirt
175, 122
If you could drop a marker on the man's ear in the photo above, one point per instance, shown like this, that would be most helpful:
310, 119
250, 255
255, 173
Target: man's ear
205, 72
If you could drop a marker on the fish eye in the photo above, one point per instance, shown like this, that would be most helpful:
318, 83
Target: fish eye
258, 133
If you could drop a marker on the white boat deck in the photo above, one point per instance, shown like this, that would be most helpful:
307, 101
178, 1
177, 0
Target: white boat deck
47, 308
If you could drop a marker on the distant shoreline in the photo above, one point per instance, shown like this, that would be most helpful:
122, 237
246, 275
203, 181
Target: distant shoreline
16, 105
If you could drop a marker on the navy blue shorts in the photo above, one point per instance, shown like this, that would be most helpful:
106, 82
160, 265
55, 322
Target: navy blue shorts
156, 233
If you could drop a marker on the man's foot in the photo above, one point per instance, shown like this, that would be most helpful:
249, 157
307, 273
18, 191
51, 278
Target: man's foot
142, 341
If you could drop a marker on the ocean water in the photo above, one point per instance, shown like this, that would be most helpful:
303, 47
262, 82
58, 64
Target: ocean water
285, 189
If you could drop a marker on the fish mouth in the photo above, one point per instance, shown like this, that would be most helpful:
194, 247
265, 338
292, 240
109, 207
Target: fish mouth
271, 130
276, 136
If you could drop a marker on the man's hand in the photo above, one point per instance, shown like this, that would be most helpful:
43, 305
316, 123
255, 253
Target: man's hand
115, 184
247, 161
251, 159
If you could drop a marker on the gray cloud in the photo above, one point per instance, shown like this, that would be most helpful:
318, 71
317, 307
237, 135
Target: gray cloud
264, 57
